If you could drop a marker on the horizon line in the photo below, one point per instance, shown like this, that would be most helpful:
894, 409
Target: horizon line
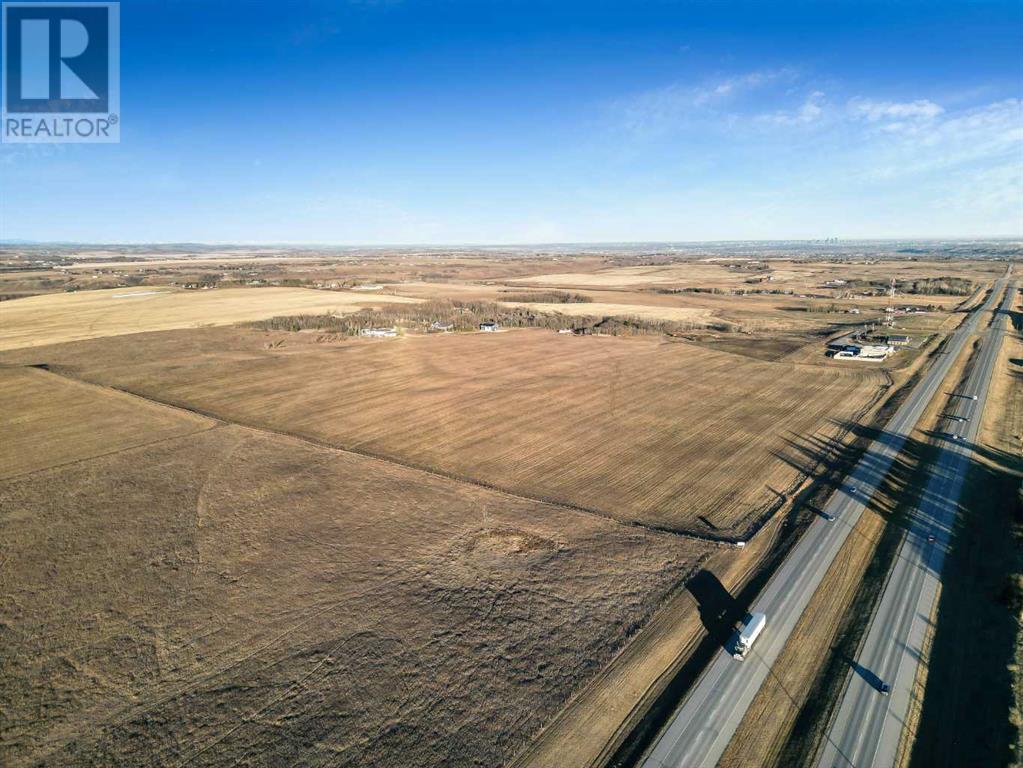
8, 242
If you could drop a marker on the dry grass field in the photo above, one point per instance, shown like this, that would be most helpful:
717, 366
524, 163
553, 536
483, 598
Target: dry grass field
797, 276
625, 277
636, 429
232, 597
95, 255
782, 307
590, 730
227, 546
47, 421
99, 260
454, 290
61, 317
763, 314
694, 315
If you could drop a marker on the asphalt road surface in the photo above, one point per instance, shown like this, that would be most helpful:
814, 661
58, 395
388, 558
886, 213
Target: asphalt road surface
868, 726
701, 728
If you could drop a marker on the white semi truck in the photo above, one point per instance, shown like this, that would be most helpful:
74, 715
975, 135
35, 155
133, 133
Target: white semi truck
748, 634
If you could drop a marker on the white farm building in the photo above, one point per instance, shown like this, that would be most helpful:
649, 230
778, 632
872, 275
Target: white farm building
868, 352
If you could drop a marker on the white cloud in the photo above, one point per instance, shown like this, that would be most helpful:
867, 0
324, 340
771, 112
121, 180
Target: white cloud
911, 165
993, 195
982, 138
878, 111
739, 84
661, 110
811, 111
12, 153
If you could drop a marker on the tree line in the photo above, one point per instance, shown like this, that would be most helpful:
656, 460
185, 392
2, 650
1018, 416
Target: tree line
467, 316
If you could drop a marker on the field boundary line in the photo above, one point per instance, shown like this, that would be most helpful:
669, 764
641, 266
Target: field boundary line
433, 472
65, 464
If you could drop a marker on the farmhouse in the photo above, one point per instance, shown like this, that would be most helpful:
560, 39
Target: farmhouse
439, 326
489, 326
897, 340
378, 332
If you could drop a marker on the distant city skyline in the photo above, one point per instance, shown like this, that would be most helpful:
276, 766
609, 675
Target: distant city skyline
391, 123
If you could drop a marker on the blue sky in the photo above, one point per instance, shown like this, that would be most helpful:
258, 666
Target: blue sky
518, 122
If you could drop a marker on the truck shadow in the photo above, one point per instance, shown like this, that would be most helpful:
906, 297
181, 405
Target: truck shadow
872, 679
719, 611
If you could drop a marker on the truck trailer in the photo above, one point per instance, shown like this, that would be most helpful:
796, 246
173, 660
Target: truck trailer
746, 636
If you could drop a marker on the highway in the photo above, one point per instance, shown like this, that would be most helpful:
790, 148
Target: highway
867, 727
701, 728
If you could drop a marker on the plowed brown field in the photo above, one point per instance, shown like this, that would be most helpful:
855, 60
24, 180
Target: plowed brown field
667, 434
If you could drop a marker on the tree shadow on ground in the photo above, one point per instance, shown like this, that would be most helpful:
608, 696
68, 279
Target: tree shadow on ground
903, 490
965, 718
969, 681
